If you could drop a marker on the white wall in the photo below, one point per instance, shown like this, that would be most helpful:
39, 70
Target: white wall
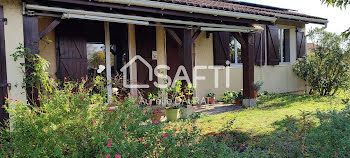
13, 37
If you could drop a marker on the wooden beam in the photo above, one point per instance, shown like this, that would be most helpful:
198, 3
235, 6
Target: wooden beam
173, 34
49, 28
159, 11
239, 38
31, 33
187, 46
195, 35
248, 65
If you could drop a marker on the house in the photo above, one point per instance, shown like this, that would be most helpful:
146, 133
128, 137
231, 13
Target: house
250, 42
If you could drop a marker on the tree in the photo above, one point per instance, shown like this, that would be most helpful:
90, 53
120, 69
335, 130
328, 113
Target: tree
327, 67
341, 4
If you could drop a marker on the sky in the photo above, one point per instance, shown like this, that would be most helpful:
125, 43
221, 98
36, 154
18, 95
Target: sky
339, 20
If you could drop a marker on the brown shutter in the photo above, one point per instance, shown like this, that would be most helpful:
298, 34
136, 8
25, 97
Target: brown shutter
286, 45
259, 48
72, 57
221, 47
273, 54
301, 42
3, 75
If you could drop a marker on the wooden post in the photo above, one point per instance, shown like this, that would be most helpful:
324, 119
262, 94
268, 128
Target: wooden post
248, 70
108, 61
132, 53
187, 46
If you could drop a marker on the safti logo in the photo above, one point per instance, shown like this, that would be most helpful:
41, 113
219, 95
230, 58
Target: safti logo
171, 82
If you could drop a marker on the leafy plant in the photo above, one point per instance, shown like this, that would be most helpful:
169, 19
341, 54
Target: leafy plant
74, 120
230, 97
258, 85
211, 95
327, 67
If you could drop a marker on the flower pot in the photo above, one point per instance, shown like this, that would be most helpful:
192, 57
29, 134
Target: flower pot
255, 93
211, 100
172, 114
238, 102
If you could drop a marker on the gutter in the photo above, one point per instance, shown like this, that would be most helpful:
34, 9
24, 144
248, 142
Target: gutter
191, 9
101, 16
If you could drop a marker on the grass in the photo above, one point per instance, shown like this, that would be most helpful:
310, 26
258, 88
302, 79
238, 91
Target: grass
260, 122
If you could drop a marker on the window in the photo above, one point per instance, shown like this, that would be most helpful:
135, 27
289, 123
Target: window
284, 49
235, 51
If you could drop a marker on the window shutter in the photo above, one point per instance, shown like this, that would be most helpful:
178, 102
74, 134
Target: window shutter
273, 45
259, 48
221, 48
301, 42
286, 44
72, 57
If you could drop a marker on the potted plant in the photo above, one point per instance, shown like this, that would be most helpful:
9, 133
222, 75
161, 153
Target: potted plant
174, 102
257, 87
238, 98
211, 98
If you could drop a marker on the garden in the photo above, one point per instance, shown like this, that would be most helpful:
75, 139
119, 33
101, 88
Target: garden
74, 118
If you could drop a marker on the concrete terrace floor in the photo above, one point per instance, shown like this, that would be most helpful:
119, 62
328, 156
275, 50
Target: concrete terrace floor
218, 108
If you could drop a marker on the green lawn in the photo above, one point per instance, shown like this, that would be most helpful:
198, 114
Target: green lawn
260, 122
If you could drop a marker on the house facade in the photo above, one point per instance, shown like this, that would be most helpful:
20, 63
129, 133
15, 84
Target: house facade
230, 44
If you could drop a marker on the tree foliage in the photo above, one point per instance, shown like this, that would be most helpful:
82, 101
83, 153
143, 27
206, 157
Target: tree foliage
341, 4
327, 67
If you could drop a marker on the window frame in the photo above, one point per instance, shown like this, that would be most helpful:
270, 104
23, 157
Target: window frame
235, 64
281, 31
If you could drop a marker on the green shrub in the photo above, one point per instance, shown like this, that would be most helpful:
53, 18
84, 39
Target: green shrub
230, 97
327, 67
74, 121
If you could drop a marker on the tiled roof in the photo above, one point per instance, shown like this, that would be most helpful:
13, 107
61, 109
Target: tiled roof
236, 6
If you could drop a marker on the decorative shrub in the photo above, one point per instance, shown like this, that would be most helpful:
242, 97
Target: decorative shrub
327, 67
230, 97
73, 121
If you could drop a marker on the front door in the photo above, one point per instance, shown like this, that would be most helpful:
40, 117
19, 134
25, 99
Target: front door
3, 75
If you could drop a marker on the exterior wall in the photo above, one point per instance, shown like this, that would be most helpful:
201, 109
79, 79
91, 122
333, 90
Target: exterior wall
47, 45
277, 79
14, 37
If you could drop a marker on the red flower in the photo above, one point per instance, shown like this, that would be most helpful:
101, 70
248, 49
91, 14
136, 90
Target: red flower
118, 156
195, 127
110, 140
11, 99
156, 122
322, 148
62, 124
73, 154
227, 139
223, 135
336, 155
9, 152
107, 156
126, 134
109, 145
2, 144
94, 121
84, 135
165, 135
145, 145
231, 122
213, 134
194, 121
160, 141
81, 98
16, 100
156, 111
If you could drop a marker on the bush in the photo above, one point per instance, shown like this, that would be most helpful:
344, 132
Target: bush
327, 67
230, 97
74, 121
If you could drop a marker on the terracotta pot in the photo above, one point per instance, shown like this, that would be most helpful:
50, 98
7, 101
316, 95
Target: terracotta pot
255, 94
238, 102
157, 116
211, 100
